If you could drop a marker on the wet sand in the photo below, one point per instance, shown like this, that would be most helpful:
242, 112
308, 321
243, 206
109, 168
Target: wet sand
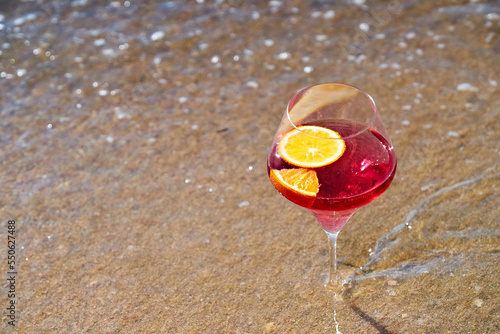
133, 151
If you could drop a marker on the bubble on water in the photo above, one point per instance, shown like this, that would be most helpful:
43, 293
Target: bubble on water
194, 127
492, 16
308, 69
358, 59
243, 204
214, 59
283, 55
202, 46
380, 36
321, 38
157, 35
183, 99
49, 126
99, 42
121, 114
315, 14
23, 19
466, 87
410, 35
109, 52
402, 44
329, 14
109, 139
255, 15
268, 42
365, 27
252, 84
20, 72
469, 105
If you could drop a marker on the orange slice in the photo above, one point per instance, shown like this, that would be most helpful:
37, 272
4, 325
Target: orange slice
311, 146
300, 180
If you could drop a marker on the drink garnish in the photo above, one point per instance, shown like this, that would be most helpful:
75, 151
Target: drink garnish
301, 180
311, 146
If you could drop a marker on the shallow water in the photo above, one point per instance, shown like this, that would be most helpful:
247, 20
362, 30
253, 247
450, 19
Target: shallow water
133, 153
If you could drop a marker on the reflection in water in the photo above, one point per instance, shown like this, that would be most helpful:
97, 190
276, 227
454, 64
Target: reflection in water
337, 331
336, 303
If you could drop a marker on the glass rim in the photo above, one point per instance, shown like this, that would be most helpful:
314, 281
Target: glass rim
364, 129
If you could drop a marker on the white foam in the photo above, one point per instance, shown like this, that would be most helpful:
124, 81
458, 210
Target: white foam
466, 87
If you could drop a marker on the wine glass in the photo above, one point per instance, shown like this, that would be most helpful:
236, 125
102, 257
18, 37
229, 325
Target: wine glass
331, 155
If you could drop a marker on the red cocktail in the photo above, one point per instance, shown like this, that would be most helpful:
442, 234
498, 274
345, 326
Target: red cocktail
331, 155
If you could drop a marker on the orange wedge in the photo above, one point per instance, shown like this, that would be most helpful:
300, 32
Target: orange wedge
299, 180
311, 146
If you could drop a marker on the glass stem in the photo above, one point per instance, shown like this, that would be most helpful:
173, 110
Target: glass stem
332, 241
